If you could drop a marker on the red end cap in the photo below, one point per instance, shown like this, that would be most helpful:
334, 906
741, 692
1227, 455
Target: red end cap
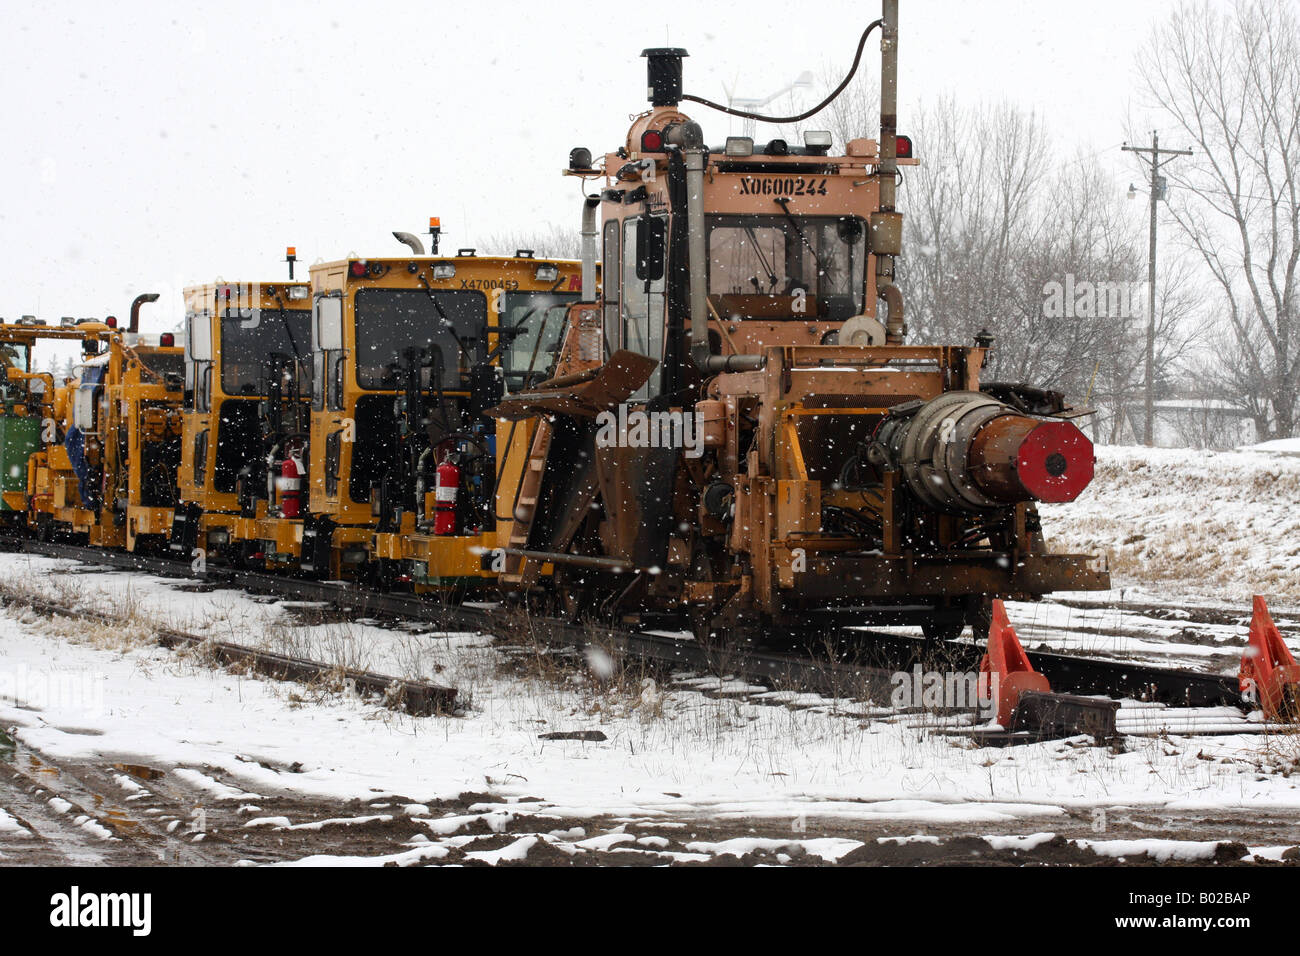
1055, 462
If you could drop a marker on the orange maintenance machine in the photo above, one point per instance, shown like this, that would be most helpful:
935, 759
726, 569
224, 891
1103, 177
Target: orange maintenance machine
739, 438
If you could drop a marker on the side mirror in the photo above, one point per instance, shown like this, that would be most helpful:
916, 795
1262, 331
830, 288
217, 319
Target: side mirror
651, 244
198, 337
329, 323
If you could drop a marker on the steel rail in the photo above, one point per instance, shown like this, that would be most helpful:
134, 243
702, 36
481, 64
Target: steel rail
416, 697
857, 661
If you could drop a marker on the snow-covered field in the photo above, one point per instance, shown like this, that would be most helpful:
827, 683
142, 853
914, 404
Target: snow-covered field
1217, 529
670, 754
1181, 525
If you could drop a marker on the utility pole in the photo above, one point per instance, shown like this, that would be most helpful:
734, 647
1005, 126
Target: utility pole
1151, 156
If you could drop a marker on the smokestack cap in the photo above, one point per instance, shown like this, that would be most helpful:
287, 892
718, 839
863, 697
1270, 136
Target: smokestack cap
664, 75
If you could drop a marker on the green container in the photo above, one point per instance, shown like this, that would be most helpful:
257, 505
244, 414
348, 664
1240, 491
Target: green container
20, 438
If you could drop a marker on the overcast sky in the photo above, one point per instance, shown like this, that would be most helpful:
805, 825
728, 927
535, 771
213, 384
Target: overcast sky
151, 145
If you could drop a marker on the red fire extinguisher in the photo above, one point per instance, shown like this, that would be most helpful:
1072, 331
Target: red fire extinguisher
444, 517
290, 485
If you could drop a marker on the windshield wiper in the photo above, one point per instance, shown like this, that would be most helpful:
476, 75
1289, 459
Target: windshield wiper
288, 330
785, 208
506, 336
762, 261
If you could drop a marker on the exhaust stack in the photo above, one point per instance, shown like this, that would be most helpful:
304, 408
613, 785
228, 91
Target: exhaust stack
135, 309
412, 240
589, 207
664, 75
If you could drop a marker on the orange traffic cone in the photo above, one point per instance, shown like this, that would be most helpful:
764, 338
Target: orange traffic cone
1268, 674
1006, 667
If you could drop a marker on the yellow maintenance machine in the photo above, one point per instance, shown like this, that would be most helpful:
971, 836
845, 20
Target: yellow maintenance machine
246, 357
408, 353
33, 410
110, 438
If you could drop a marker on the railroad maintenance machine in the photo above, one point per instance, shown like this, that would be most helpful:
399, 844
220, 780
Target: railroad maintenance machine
102, 447
334, 428
404, 470
247, 368
713, 422
739, 435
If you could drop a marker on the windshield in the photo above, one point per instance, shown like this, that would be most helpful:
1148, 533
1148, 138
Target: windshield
248, 343
162, 363
787, 266
391, 322
14, 355
539, 316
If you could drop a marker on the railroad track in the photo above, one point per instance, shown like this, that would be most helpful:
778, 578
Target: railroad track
418, 698
845, 665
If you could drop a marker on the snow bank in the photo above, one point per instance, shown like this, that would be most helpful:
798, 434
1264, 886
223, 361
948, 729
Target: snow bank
1222, 525
1162, 851
11, 827
1279, 446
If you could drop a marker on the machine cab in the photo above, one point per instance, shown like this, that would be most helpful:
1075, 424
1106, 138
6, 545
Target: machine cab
407, 354
243, 342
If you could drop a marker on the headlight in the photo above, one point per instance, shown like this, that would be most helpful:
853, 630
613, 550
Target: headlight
740, 146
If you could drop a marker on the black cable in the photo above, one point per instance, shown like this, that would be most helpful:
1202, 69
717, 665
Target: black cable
744, 114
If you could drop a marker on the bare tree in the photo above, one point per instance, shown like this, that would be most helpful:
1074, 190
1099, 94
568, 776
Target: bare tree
551, 241
980, 174
1231, 82
995, 219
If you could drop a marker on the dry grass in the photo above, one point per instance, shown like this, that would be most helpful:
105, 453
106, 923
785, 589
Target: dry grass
59, 604
1189, 521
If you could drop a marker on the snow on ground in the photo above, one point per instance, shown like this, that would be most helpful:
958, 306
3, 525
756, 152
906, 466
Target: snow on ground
1193, 529
11, 827
674, 754
1279, 446
1185, 524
